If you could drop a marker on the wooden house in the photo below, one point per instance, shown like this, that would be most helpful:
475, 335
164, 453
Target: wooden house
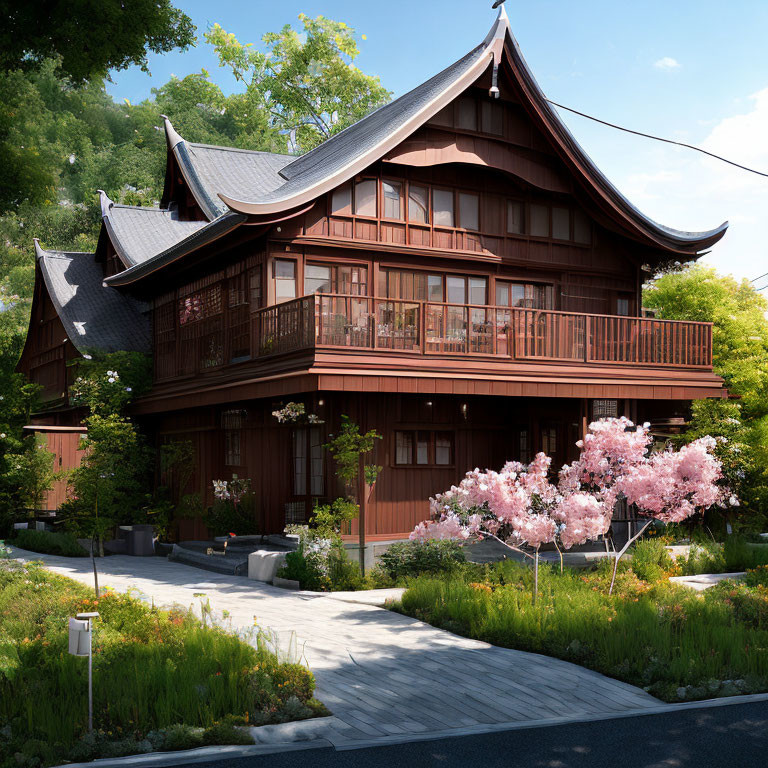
452, 270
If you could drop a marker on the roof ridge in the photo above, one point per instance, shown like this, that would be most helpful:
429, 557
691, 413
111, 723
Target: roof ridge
237, 149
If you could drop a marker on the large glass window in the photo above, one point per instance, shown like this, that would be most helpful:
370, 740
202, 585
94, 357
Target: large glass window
418, 204
317, 279
403, 448
442, 207
469, 211
285, 280
435, 287
365, 197
308, 462
393, 199
478, 290
455, 290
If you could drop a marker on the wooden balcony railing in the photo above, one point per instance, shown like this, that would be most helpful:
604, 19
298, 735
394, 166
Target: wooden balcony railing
431, 328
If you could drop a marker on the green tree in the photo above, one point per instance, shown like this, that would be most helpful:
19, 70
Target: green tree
740, 328
740, 355
90, 37
305, 81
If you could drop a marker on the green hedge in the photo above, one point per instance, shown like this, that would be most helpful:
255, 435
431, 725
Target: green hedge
49, 543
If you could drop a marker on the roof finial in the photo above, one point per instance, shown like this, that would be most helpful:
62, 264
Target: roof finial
498, 3
171, 134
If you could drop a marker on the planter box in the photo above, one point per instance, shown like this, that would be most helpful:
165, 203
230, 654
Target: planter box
285, 583
264, 564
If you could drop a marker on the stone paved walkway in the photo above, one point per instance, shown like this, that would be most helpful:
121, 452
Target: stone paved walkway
381, 673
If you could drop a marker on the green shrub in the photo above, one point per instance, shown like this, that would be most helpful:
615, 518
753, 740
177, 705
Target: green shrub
164, 677
224, 517
703, 557
740, 554
226, 733
49, 543
651, 560
411, 558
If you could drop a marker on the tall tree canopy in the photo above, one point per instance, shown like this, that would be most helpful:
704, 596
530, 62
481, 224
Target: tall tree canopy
740, 329
305, 81
90, 37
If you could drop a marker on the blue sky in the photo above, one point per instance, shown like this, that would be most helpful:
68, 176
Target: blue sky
691, 70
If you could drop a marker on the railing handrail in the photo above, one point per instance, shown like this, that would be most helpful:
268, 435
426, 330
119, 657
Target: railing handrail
500, 307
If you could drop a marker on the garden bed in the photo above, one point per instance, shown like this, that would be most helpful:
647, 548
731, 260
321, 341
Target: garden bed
163, 680
676, 644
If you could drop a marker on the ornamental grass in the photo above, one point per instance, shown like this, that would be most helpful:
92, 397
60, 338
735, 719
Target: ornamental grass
152, 669
675, 643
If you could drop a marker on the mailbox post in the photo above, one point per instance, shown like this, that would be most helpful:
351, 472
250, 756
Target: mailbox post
81, 644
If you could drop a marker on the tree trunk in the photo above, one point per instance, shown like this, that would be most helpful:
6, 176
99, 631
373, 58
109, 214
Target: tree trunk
623, 550
535, 574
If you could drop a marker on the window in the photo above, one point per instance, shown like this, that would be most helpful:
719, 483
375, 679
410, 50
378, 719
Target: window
561, 224
529, 295
622, 306
492, 117
605, 409
435, 287
423, 448
403, 447
442, 207
549, 440
285, 280
255, 288
478, 290
418, 204
456, 290
582, 229
308, 462
317, 279
539, 220
515, 217
467, 114
365, 198
393, 200
469, 210
232, 423
341, 200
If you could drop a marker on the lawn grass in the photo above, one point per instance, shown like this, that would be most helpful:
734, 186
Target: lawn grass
675, 643
48, 542
152, 669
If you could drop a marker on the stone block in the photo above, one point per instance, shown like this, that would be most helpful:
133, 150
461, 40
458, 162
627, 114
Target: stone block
263, 564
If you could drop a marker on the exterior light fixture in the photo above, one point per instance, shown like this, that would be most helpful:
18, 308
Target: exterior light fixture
429, 403
81, 644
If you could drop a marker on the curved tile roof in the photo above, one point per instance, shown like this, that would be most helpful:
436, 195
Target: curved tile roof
209, 170
348, 152
139, 233
206, 233
96, 318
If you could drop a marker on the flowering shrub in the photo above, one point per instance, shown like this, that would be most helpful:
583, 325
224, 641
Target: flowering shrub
520, 506
295, 413
233, 510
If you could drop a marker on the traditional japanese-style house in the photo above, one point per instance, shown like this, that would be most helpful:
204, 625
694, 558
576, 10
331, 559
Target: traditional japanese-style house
452, 270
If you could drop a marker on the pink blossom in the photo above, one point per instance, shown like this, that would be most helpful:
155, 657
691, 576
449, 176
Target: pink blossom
583, 517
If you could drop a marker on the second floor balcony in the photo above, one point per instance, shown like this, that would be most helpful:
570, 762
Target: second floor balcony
221, 337
387, 326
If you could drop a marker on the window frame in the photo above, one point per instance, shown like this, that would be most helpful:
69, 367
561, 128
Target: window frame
431, 462
402, 185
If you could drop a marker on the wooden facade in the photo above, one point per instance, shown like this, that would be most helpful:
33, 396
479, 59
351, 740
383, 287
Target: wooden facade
462, 279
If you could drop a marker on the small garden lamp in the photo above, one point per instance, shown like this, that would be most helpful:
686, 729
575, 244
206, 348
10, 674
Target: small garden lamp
80, 644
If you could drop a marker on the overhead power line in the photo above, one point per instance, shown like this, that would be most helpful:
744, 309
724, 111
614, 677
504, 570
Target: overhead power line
658, 138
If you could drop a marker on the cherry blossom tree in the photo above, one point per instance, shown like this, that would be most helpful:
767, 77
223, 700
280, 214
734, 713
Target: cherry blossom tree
520, 506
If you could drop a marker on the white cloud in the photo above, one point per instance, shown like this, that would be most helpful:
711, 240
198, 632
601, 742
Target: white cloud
667, 62
689, 191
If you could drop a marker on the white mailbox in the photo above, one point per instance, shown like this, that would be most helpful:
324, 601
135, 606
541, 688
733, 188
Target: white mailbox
80, 637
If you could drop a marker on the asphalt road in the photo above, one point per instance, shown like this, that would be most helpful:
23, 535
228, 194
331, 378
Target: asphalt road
718, 737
